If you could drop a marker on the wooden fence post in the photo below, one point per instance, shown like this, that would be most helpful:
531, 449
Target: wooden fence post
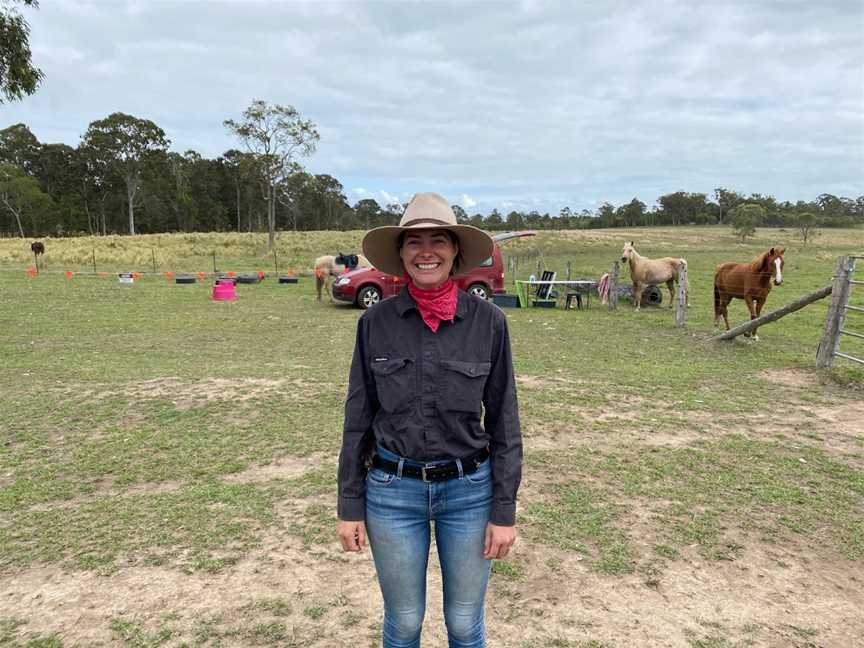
613, 287
681, 309
830, 341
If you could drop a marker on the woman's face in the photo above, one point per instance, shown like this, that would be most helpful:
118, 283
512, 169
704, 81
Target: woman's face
428, 257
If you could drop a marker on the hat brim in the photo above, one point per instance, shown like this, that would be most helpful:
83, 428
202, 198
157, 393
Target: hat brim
380, 246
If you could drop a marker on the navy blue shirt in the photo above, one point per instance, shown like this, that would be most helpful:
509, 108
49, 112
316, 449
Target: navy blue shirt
423, 395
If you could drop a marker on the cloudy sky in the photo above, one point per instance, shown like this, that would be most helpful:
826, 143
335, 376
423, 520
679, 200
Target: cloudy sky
515, 105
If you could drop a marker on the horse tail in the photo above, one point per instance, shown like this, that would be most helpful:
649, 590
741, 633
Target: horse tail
716, 300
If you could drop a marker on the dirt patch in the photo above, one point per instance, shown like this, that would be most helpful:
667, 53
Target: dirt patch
798, 378
790, 600
109, 492
284, 468
186, 394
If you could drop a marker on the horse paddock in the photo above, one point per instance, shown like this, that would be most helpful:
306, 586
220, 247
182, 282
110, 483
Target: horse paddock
168, 470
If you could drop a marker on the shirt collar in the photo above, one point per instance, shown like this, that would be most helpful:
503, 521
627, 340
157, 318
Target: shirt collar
404, 303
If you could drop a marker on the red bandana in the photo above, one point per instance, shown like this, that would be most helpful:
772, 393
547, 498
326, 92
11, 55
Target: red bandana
436, 304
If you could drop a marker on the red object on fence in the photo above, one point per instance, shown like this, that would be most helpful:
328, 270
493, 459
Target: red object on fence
230, 273
291, 272
169, 275
261, 274
136, 276
31, 272
201, 275
69, 274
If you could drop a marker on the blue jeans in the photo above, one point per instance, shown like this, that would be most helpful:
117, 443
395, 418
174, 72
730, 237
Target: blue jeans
399, 511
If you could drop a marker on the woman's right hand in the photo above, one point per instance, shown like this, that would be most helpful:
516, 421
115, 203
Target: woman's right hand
352, 535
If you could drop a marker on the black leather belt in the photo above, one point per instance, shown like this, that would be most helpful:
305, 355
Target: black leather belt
440, 472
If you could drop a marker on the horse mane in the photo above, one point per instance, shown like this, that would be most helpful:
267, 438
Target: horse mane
760, 260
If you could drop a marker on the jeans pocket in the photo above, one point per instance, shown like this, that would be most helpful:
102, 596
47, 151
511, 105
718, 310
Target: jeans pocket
483, 474
378, 477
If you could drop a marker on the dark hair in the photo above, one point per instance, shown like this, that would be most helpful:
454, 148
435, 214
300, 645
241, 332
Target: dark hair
454, 239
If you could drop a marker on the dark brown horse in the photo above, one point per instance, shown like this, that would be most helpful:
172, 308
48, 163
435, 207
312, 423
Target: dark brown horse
748, 281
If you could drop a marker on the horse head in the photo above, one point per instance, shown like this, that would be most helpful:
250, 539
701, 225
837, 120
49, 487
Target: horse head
627, 252
772, 261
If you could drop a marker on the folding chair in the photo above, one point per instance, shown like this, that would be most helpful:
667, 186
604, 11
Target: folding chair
542, 297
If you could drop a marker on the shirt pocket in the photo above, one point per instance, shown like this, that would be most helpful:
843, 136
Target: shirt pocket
394, 381
464, 383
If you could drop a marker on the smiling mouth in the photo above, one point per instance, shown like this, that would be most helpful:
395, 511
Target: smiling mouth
427, 266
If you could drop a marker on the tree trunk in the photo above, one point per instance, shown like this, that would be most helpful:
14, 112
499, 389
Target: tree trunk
18, 220
271, 216
238, 206
131, 188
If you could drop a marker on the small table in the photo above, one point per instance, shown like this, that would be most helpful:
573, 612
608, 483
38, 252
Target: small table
522, 287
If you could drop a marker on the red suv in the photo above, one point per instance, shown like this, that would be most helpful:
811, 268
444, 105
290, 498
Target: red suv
367, 286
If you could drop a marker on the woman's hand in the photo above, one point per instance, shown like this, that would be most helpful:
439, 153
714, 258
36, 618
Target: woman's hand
499, 539
352, 535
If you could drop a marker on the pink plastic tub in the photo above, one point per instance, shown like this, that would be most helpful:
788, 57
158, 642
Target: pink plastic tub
224, 291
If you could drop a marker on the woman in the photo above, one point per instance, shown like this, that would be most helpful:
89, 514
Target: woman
426, 364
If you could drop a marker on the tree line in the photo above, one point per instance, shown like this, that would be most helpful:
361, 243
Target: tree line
123, 178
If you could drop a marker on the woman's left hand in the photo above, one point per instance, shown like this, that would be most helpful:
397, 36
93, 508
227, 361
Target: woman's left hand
499, 539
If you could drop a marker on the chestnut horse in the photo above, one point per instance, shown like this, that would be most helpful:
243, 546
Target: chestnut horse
332, 266
748, 281
651, 272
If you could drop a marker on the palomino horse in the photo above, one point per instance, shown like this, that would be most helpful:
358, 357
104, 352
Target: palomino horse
748, 281
328, 266
652, 272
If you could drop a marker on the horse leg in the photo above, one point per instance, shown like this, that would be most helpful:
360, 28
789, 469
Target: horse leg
671, 286
724, 309
327, 284
758, 304
637, 295
319, 281
751, 306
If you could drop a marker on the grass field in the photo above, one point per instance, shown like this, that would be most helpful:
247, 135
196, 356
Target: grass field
167, 463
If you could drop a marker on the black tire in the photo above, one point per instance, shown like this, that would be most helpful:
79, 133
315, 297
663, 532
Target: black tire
479, 290
184, 280
652, 296
248, 279
368, 296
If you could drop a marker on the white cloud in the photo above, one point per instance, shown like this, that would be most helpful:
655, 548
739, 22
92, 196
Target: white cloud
553, 104
389, 199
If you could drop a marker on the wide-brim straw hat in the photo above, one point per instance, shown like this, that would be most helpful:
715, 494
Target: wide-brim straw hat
426, 211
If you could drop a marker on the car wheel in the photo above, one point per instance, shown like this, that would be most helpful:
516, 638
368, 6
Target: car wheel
368, 296
478, 290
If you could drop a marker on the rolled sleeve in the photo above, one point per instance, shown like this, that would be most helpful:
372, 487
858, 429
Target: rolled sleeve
502, 425
357, 436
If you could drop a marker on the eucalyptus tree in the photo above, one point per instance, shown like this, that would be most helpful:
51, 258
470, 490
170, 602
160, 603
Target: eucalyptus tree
276, 135
18, 76
746, 217
124, 143
19, 146
241, 168
727, 200
21, 198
